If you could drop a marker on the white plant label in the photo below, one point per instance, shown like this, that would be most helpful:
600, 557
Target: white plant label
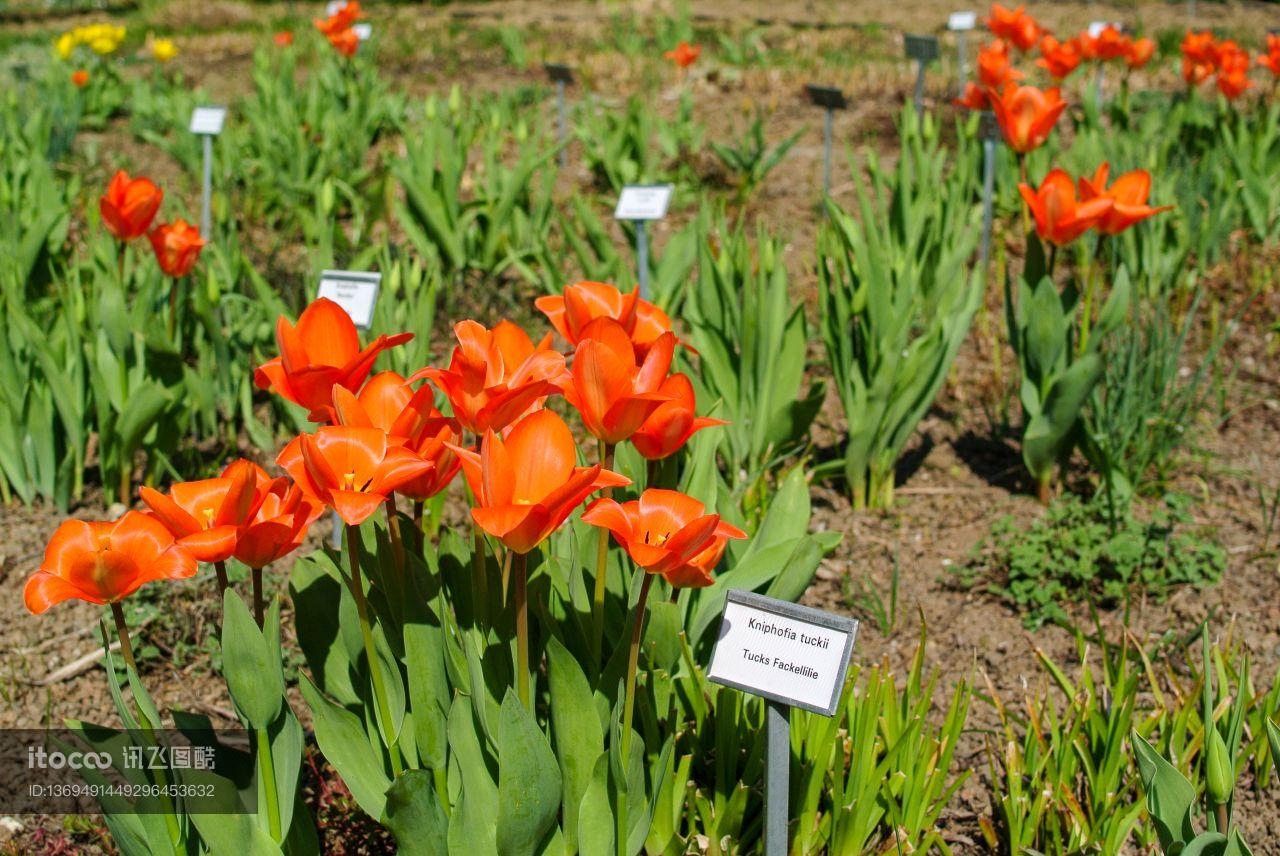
1096, 28
962, 21
208, 120
333, 7
355, 291
362, 31
789, 653
643, 202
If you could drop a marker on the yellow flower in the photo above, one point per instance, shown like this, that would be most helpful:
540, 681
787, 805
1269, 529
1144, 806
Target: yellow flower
103, 45
65, 45
164, 50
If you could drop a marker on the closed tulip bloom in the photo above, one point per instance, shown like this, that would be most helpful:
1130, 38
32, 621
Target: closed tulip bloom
1060, 217
613, 393
283, 39
667, 532
496, 376
1140, 53
351, 470
105, 562
129, 206
345, 42
321, 352
80, 78
340, 20
278, 526
995, 67
1111, 44
177, 246
583, 302
684, 54
528, 484
1014, 26
1271, 59
670, 426
1027, 115
1233, 70
204, 516
1199, 57
1128, 197
1058, 58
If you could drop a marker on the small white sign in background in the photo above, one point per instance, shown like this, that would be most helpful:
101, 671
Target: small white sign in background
1096, 28
962, 21
643, 202
355, 291
362, 31
208, 120
782, 651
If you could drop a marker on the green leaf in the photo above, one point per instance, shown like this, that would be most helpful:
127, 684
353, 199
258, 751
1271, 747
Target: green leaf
1170, 797
579, 736
345, 744
252, 673
528, 781
415, 816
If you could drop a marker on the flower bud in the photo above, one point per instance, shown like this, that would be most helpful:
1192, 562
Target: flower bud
1218, 769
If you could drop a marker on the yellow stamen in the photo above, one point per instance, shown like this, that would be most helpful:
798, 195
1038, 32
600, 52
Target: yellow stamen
349, 481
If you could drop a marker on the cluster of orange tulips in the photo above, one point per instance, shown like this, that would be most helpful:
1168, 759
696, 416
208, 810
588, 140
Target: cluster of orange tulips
1205, 57
1061, 216
128, 209
339, 29
379, 437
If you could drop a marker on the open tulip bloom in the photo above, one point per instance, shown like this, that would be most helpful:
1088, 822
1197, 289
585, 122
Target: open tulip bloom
1060, 217
613, 393
1014, 26
1027, 115
1128, 195
584, 302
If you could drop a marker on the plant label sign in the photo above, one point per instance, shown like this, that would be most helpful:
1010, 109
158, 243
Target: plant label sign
788, 653
643, 202
827, 97
1096, 28
960, 21
355, 291
207, 121
923, 49
362, 31
558, 73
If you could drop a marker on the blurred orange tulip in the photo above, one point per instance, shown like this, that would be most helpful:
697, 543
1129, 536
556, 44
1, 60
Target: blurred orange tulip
105, 562
1271, 59
528, 484
321, 352
666, 532
1140, 53
974, 97
1128, 197
129, 205
496, 376
1199, 57
995, 68
1111, 44
670, 426
283, 39
1058, 58
1027, 115
684, 54
177, 246
80, 78
1014, 26
345, 42
340, 20
613, 394
1060, 217
351, 470
1233, 70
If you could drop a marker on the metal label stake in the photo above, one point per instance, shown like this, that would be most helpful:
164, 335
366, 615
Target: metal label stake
640, 203
989, 132
830, 99
961, 23
792, 656
562, 76
924, 50
206, 123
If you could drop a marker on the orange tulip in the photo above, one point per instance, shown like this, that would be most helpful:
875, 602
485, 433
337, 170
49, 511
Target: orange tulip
974, 97
410, 419
671, 425
204, 515
496, 376
1058, 58
683, 54
1111, 44
613, 394
321, 352
177, 246
105, 562
340, 20
995, 68
1027, 115
351, 470
528, 484
129, 205
345, 42
1016, 26
1233, 70
1060, 217
80, 78
583, 302
666, 532
1128, 197
1140, 53
1271, 59
279, 524
283, 39
1199, 57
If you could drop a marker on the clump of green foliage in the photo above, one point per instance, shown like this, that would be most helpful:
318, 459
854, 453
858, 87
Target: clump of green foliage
1082, 550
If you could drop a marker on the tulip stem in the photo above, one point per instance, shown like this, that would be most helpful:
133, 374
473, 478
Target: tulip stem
370, 652
122, 630
1220, 815
393, 530
220, 570
479, 572
173, 307
267, 769
602, 557
629, 699
258, 608
418, 507
519, 570
652, 472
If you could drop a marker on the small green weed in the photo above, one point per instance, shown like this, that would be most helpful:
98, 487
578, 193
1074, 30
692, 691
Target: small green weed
1078, 552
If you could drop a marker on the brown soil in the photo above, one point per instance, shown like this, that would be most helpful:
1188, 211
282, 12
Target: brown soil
962, 475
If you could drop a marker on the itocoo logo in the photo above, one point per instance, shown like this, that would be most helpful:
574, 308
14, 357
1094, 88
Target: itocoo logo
38, 758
